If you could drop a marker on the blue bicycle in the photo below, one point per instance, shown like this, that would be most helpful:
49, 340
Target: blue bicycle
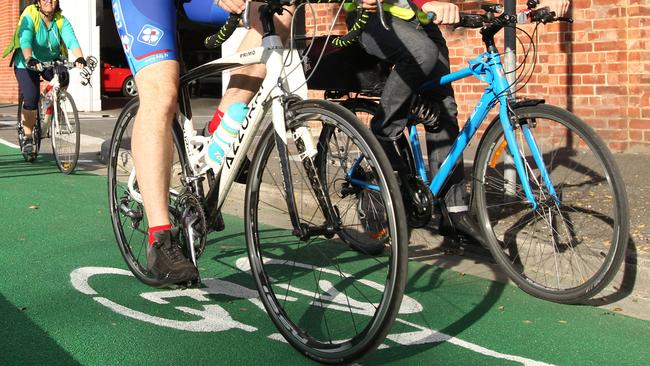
547, 192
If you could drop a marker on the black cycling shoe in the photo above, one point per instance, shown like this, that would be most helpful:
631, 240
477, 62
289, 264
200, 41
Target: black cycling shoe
467, 229
27, 147
166, 262
466, 225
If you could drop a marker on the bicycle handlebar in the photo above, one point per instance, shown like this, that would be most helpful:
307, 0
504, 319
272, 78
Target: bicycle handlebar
467, 20
232, 22
85, 73
543, 15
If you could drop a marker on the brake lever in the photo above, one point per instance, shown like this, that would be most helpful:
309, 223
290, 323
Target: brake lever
245, 20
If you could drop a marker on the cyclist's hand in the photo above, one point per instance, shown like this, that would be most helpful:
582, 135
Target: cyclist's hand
80, 62
34, 63
559, 7
369, 5
445, 13
232, 6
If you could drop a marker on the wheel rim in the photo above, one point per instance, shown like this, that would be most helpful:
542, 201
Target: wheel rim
65, 135
345, 287
560, 250
131, 88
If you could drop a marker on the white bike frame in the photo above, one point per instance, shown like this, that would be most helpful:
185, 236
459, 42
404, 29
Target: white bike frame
291, 77
55, 89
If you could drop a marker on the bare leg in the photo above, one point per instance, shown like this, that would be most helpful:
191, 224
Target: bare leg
245, 81
152, 137
29, 120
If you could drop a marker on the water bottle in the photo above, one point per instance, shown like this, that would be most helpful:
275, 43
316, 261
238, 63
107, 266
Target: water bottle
225, 134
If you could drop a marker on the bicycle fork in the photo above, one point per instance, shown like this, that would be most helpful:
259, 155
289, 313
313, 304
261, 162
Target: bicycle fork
509, 122
307, 151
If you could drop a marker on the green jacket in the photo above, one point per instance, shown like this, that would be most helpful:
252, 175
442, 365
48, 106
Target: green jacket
35, 15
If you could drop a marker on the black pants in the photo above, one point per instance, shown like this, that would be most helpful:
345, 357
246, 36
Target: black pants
418, 53
29, 84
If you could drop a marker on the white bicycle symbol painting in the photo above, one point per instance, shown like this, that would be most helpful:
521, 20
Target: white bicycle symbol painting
215, 318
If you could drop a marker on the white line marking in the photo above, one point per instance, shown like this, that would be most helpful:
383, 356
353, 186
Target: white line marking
12, 145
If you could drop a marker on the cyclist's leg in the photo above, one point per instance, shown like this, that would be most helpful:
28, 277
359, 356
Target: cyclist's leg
28, 83
439, 139
414, 57
152, 137
148, 34
246, 81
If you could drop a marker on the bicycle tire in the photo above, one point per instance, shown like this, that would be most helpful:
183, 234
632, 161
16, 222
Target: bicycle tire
126, 209
280, 262
66, 134
586, 239
36, 132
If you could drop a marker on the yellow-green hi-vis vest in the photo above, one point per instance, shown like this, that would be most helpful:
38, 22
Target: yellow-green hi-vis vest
33, 12
399, 9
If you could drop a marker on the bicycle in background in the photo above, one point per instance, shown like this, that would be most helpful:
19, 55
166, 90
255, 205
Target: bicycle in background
57, 117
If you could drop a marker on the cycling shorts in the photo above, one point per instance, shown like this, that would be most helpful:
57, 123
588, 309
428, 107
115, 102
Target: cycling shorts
147, 28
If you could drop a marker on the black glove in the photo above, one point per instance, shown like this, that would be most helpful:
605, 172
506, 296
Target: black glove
81, 60
33, 62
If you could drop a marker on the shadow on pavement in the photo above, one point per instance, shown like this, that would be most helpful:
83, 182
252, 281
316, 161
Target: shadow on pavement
17, 330
627, 283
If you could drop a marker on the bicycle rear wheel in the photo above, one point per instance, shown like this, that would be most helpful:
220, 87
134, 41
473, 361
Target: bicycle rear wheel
564, 252
66, 134
331, 303
125, 202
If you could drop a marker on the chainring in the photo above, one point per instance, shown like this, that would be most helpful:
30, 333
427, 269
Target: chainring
419, 202
190, 215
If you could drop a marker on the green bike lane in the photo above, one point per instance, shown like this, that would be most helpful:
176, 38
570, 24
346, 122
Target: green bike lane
66, 297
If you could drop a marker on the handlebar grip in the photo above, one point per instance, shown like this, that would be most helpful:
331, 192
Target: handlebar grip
469, 20
224, 32
355, 31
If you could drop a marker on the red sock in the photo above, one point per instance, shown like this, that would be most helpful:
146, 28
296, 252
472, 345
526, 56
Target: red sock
155, 229
215, 121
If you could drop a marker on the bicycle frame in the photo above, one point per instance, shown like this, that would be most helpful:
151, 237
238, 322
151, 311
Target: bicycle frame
488, 68
54, 90
271, 53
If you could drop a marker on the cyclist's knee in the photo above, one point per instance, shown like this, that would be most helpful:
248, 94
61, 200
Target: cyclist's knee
283, 23
419, 55
158, 85
30, 104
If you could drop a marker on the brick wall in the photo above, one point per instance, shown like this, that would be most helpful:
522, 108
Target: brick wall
8, 87
598, 67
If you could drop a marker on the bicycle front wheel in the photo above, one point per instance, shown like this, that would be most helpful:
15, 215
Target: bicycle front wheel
66, 134
564, 251
333, 302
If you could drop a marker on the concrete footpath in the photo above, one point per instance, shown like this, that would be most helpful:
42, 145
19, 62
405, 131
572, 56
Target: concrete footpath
628, 294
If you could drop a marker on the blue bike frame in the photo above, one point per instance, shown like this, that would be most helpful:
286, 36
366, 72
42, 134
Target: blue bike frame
488, 68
